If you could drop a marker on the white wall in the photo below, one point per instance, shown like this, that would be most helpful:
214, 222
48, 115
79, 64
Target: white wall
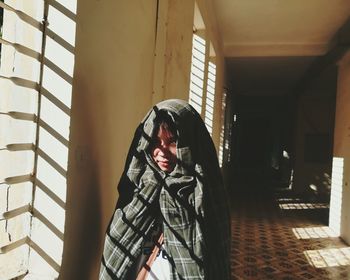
340, 194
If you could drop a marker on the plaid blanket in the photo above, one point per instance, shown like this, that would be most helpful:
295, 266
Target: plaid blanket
191, 201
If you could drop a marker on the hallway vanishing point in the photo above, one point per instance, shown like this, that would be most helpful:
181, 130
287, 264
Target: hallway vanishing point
276, 235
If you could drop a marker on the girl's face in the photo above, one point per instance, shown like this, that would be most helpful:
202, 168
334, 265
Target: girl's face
164, 150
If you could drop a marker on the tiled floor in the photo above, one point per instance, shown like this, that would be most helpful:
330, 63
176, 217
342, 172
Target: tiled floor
276, 236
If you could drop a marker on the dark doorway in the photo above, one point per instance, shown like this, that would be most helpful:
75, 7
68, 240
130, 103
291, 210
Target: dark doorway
262, 133
255, 139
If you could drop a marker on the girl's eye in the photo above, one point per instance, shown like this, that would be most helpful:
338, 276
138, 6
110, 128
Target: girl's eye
155, 144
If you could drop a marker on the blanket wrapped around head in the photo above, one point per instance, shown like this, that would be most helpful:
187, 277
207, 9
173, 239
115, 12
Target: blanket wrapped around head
191, 201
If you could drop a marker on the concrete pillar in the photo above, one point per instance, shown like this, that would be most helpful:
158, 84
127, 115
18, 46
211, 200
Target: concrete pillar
339, 218
112, 91
173, 50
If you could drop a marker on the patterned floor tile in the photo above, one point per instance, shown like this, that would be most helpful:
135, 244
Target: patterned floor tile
272, 242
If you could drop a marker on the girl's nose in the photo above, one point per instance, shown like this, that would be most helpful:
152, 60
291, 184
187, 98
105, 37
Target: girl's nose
163, 144
161, 151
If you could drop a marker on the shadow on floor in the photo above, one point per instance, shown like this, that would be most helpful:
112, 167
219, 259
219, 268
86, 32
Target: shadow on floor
276, 235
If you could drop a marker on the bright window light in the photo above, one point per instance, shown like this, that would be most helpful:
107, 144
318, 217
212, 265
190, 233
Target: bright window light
197, 73
286, 155
222, 129
210, 98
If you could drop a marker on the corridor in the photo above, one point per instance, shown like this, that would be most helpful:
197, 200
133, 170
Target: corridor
276, 235
270, 79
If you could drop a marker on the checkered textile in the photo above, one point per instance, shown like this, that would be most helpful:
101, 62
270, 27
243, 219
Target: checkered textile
191, 201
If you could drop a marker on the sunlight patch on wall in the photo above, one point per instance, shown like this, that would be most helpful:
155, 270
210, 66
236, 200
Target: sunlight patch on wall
336, 194
42, 62
328, 257
53, 138
19, 75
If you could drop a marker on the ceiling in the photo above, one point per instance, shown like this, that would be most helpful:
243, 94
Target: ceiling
270, 44
266, 75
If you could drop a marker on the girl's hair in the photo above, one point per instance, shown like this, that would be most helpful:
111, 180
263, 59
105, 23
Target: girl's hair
164, 121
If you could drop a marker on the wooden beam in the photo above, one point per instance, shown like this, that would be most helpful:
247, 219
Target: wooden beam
340, 46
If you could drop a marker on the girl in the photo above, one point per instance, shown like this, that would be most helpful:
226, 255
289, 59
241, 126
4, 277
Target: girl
172, 217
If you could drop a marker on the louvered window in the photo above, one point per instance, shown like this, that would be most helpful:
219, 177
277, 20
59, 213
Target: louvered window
197, 73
